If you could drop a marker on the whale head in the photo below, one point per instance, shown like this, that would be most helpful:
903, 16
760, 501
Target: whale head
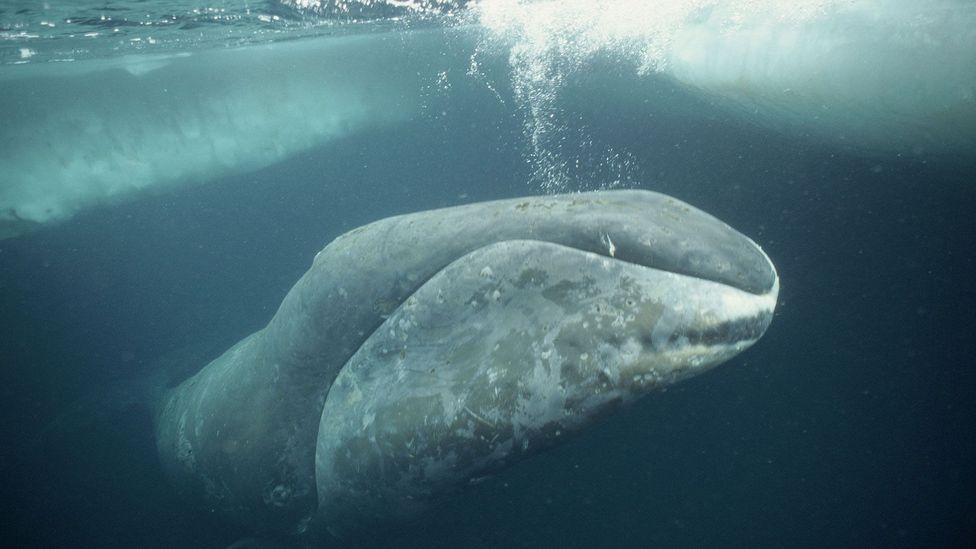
423, 351
574, 306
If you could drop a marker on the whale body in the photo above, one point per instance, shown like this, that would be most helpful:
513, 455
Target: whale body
425, 350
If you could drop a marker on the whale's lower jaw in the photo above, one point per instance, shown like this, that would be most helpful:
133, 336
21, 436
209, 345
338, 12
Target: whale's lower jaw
508, 351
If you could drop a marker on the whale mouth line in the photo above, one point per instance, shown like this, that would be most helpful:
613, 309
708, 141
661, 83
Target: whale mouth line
609, 253
746, 314
771, 289
756, 305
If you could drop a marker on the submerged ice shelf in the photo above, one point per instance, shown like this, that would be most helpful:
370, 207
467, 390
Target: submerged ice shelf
888, 77
95, 132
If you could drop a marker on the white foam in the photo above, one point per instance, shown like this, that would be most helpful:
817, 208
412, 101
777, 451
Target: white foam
884, 75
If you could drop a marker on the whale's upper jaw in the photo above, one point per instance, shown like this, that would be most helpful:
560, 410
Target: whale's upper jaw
660, 232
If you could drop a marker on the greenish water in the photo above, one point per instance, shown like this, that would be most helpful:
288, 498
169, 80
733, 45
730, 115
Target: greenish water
169, 170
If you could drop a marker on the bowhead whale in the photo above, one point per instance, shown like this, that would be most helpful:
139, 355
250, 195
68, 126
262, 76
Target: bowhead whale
422, 351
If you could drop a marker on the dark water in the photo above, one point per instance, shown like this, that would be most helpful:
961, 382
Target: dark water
850, 424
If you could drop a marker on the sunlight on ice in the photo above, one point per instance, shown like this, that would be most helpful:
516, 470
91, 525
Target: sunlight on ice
855, 74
